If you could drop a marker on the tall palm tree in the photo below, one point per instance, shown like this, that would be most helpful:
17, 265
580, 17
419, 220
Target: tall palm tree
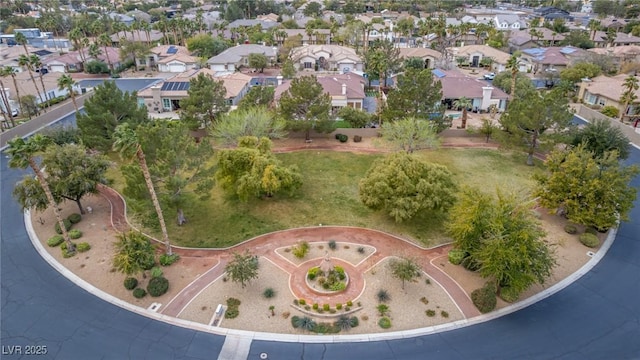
24, 61
77, 37
105, 41
512, 64
593, 26
5, 100
12, 72
629, 96
464, 104
37, 64
126, 142
23, 154
67, 82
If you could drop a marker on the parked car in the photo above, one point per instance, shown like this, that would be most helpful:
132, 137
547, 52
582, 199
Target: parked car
489, 76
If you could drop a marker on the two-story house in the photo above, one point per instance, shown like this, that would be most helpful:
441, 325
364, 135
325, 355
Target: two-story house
508, 22
326, 58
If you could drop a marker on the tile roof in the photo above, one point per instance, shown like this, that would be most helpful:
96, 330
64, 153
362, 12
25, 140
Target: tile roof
465, 86
419, 52
609, 87
163, 50
498, 56
332, 84
235, 54
337, 52
187, 59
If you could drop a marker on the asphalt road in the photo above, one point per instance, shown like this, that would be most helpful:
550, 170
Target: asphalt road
597, 317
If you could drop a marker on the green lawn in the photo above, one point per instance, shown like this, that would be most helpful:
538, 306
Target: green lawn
329, 196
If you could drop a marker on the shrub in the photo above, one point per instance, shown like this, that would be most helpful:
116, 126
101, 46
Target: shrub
67, 226
347, 308
357, 138
570, 229
315, 306
591, 230
326, 307
156, 272
231, 313
339, 306
383, 309
75, 234
295, 321
509, 294
361, 250
130, 283
444, 314
233, 302
470, 264
55, 240
610, 111
343, 138
139, 293
424, 300
338, 286
484, 298
349, 303
166, 260
383, 296
302, 302
338, 136
83, 247
295, 302
456, 256
430, 313
354, 321
301, 250
313, 272
332, 244
66, 254
158, 286
589, 240
268, 293
74, 218
384, 322
307, 307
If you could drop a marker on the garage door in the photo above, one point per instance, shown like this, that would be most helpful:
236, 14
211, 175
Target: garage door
175, 68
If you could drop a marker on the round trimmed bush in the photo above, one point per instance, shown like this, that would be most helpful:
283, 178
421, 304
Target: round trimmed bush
74, 218
338, 136
570, 229
156, 272
343, 138
591, 230
384, 322
484, 298
268, 293
456, 256
67, 226
508, 294
130, 283
166, 260
75, 234
357, 138
83, 246
139, 293
589, 240
231, 313
158, 286
55, 240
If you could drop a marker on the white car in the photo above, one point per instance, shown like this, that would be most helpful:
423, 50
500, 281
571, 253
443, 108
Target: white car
489, 76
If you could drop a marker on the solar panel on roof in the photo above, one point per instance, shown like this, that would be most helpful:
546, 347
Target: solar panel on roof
175, 86
172, 50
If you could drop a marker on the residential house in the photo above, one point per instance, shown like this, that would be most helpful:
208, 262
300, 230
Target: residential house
26, 86
620, 54
474, 55
330, 16
140, 15
550, 58
508, 22
161, 52
318, 36
165, 95
209, 18
71, 62
550, 13
268, 17
602, 40
611, 22
604, 91
525, 39
235, 57
326, 58
456, 85
264, 24
344, 89
122, 18
429, 56
155, 36
178, 63
9, 55
379, 32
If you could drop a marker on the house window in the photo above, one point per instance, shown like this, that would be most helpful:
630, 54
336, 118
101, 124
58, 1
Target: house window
140, 102
166, 104
230, 101
601, 102
308, 65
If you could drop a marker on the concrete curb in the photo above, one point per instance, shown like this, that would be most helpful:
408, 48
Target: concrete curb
395, 335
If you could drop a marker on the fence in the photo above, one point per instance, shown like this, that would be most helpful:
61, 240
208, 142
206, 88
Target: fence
589, 114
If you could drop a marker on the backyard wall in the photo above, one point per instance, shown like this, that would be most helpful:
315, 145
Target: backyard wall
590, 115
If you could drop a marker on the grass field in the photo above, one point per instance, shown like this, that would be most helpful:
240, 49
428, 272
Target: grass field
329, 196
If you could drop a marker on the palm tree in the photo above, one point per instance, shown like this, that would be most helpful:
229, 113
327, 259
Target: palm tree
513, 65
79, 42
128, 145
67, 82
5, 100
22, 154
593, 25
24, 61
105, 41
629, 95
12, 72
37, 64
464, 104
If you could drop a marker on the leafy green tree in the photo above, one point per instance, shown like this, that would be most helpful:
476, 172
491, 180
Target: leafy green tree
106, 109
591, 190
403, 186
61, 135
356, 118
288, 70
182, 171
503, 237
579, 71
258, 61
405, 269
23, 154
536, 121
134, 253
29, 105
252, 121
629, 96
206, 101
243, 268
96, 67
410, 134
503, 82
206, 46
382, 59
127, 144
257, 96
251, 170
313, 9
413, 63
71, 172
599, 136
579, 39
306, 106
418, 95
